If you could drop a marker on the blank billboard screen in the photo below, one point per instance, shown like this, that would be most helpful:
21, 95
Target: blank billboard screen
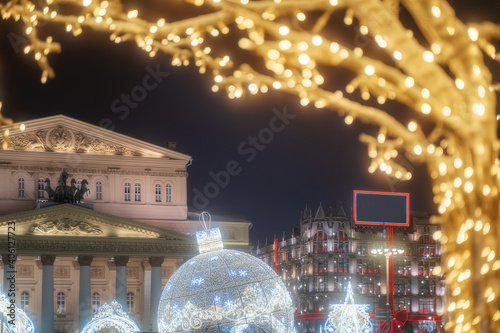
378, 208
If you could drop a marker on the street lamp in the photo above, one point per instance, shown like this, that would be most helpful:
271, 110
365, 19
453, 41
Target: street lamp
388, 251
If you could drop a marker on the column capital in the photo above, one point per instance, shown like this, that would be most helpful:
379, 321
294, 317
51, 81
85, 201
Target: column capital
85, 260
121, 260
48, 259
156, 261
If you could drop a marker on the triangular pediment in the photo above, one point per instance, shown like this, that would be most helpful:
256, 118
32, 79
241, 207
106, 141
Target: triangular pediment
75, 221
68, 135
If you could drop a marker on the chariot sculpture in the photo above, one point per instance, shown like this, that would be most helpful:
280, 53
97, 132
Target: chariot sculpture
64, 193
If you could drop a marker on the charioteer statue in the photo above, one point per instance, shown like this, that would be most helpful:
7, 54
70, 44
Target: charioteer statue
66, 193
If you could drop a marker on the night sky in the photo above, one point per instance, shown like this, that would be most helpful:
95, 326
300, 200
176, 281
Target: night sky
302, 156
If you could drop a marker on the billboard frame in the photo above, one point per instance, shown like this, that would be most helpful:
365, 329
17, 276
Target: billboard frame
388, 224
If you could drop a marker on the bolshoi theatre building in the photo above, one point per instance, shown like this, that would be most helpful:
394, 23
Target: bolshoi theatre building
88, 215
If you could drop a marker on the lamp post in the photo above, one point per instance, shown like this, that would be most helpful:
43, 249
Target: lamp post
389, 251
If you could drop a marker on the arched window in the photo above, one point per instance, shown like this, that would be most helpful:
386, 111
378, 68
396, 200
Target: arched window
98, 190
126, 191
320, 242
79, 184
41, 188
168, 193
137, 191
341, 242
426, 246
20, 187
61, 303
96, 302
130, 303
25, 300
158, 193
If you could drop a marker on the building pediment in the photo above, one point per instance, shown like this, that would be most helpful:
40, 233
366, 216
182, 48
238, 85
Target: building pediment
67, 135
75, 221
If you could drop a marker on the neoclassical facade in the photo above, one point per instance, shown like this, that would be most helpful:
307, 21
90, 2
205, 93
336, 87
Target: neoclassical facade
126, 237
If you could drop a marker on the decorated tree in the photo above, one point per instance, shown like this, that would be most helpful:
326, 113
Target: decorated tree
412, 69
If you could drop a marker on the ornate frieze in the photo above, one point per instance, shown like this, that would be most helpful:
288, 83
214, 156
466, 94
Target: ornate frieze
102, 247
133, 273
62, 272
89, 172
65, 226
97, 272
25, 271
62, 139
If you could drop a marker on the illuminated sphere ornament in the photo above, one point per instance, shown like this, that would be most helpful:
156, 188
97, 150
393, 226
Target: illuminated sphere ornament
223, 290
13, 319
348, 317
111, 315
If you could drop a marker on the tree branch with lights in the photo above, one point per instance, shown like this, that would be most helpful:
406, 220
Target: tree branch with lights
424, 85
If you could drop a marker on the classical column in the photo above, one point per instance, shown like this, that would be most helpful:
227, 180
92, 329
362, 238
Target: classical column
155, 263
9, 268
121, 280
84, 298
146, 317
48, 293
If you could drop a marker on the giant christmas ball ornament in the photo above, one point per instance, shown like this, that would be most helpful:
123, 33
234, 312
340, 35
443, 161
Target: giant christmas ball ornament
223, 290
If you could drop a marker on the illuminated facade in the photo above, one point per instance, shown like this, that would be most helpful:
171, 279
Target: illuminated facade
130, 234
328, 251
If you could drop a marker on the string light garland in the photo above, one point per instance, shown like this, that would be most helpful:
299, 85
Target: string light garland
440, 81
223, 290
111, 315
6, 125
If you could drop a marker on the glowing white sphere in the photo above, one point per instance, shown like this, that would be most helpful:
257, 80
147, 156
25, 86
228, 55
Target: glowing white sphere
224, 291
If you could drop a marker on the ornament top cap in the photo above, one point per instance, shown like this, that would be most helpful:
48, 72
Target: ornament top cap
209, 240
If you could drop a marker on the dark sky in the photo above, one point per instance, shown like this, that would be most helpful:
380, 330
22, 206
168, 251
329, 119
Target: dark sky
314, 158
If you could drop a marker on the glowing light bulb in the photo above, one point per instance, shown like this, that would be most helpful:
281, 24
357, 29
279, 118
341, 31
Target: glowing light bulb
284, 30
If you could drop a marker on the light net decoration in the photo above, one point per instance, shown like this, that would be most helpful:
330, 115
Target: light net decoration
21, 324
348, 317
224, 290
111, 315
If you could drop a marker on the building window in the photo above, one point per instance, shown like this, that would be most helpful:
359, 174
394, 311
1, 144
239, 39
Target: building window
425, 268
368, 285
402, 286
341, 265
320, 242
25, 300
321, 283
320, 265
368, 266
426, 287
158, 193
79, 184
168, 193
127, 191
341, 242
137, 192
426, 305
402, 267
402, 303
98, 190
426, 246
130, 303
20, 187
96, 302
61, 303
339, 283
363, 249
41, 188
